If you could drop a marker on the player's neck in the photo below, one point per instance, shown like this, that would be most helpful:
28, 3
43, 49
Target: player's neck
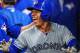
46, 27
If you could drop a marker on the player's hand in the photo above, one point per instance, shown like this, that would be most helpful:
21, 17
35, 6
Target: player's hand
5, 45
69, 50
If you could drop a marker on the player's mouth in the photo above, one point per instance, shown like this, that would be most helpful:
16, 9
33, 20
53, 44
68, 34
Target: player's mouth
34, 20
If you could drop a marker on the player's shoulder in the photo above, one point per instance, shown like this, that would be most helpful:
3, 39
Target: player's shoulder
58, 26
29, 28
28, 32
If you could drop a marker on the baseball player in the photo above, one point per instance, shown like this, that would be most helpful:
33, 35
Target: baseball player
14, 19
44, 36
3, 35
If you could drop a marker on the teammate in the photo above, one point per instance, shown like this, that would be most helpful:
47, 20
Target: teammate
14, 19
3, 35
44, 36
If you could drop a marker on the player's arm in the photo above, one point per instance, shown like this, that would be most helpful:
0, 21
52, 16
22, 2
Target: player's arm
70, 40
17, 46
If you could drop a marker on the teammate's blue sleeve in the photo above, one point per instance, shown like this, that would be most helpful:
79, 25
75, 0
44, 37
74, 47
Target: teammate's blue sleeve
2, 20
14, 49
14, 30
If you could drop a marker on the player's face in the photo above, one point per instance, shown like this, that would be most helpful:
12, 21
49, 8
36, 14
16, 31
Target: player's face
36, 17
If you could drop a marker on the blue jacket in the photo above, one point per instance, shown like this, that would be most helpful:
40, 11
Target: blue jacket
14, 19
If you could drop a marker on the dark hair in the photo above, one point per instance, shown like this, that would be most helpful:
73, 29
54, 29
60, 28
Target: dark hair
10, 2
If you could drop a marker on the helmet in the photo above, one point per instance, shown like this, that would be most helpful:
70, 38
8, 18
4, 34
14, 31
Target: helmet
40, 6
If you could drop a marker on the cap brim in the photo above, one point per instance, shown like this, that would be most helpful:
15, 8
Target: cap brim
31, 8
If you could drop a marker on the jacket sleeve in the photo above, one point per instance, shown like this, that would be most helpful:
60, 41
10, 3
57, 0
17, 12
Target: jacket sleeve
14, 49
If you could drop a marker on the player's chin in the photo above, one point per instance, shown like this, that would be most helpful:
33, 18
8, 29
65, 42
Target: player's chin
37, 24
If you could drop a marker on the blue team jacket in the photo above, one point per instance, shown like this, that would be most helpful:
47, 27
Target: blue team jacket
14, 19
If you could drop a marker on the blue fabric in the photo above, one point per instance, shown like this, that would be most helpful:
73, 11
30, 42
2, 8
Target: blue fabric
1, 21
3, 35
17, 16
14, 30
12, 18
13, 49
24, 4
72, 42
